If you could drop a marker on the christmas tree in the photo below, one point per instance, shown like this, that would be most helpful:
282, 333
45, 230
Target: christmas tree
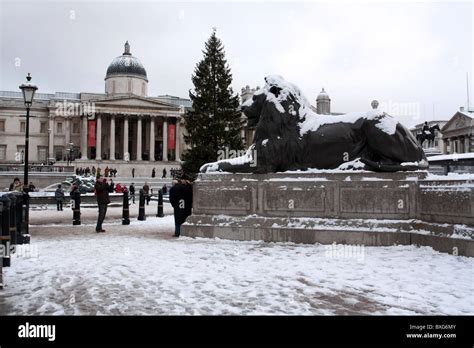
214, 123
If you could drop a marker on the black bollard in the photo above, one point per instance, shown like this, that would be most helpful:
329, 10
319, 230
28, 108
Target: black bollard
25, 219
21, 216
5, 226
125, 210
141, 207
160, 204
76, 207
13, 224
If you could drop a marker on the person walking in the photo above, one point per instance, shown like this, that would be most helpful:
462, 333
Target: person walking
102, 194
31, 187
106, 171
146, 189
164, 173
181, 198
59, 197
153, 173
164, 189
132, 192
133, 172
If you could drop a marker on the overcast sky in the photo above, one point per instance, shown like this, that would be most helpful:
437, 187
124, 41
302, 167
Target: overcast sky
412, 57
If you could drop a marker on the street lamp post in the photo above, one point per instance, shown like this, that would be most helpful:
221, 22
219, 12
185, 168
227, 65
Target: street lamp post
28, 89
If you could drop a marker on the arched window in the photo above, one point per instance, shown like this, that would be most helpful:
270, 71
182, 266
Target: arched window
129, 86
143, 88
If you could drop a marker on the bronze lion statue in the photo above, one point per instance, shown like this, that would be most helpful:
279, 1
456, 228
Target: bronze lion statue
289, 135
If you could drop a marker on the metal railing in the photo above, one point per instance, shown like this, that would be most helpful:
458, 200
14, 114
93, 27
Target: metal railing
36, 168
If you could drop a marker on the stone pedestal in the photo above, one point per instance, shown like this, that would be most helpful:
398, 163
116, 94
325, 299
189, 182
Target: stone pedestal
343, 207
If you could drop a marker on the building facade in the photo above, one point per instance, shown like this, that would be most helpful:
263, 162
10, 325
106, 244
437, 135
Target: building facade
123, 124
458, 132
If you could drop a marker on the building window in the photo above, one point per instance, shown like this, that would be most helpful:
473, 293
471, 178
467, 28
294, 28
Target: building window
3, 152
58, 153
42, 153
113, 87
129, 86
22, 126
75, 128
43, 127
143, 88
2, 125
59, 128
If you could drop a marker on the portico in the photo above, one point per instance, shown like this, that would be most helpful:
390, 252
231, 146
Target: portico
131, 133
458, 133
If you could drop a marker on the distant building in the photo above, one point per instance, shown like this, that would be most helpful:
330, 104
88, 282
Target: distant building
323, 103
458, 132
119, 126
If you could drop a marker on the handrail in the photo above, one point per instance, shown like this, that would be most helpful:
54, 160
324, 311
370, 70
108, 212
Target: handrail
36, 168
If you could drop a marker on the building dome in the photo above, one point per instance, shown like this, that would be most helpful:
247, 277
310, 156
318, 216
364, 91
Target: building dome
323, 95
126, 75
323, 103
126, 64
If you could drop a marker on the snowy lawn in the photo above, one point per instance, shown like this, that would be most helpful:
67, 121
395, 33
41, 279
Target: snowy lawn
142, 269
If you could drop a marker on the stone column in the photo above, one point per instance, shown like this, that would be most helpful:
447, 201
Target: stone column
177, 139
68, 132
126, 155
98, 139
51, 137
165, 139
467, 143
139, 138
152, 138
445, 146
84, 138
112, 137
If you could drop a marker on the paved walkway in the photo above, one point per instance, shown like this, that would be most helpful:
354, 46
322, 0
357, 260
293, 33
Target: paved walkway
142, 269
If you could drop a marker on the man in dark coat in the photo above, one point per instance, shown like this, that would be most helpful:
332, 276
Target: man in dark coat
102, 193
181, 198
132, 192
59, 197
146, 190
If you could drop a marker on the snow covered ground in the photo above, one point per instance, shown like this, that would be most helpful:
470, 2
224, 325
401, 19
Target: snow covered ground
142, 269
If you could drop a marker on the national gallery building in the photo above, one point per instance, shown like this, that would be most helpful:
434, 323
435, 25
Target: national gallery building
121, 126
